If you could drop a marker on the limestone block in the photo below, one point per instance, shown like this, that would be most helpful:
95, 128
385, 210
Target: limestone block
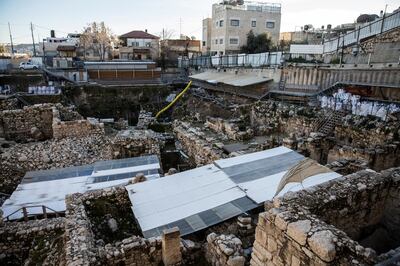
322, 244
299, 230
171, 246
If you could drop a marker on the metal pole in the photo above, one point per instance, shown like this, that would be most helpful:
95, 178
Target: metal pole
12, 45
33, 41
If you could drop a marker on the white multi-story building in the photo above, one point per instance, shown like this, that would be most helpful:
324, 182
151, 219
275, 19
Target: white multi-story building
232, 20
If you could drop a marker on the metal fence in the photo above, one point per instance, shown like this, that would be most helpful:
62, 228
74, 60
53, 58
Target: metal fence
242, 60
382, 25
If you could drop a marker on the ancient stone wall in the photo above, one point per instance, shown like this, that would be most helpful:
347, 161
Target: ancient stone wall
355, 137
366, 132
65, 124
230, 128
378, 158
145, 119
77, 128
27, 124
195, 144
274, 117
9, 104
312, 227
133, 143
79, 233
224, 250
32, 243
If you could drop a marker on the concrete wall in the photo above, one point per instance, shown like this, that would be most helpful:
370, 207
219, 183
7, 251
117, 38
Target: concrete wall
311, 78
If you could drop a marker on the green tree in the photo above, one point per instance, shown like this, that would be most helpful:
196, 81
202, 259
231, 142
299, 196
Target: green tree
257, 43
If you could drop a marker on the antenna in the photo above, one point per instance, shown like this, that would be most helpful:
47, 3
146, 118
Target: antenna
12, 46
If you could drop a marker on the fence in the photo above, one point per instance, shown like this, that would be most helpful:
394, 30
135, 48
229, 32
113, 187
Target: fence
242, 60
376, 27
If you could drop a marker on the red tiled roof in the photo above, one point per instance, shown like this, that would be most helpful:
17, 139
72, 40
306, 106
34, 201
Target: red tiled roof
138, 34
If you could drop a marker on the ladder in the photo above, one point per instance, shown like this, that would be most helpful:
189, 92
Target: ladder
327, 124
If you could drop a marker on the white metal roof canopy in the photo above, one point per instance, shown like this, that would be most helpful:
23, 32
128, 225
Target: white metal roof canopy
199, 198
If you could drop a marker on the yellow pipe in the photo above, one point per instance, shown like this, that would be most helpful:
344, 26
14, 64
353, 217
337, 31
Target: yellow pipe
174, 101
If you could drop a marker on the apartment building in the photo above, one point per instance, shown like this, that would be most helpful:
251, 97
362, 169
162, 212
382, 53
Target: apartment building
206, 44
232, 20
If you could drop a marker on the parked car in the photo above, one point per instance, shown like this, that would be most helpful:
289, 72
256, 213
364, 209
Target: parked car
28, 65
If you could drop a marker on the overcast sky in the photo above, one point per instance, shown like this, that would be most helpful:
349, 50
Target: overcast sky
125, 15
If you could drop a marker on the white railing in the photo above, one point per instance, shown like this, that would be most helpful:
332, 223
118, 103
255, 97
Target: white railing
237, 60
382, 25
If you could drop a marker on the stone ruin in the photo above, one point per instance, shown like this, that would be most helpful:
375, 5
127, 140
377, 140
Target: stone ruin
47, 136
46, 121
337, 223
353, 220
341, 222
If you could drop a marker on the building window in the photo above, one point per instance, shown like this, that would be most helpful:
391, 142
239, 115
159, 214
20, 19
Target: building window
216, 41
234, 41
221, 41
254, 23
235, 22
270, 24
221, 23
204, 43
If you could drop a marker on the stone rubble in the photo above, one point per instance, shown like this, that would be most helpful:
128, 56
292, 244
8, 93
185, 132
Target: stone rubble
224, 250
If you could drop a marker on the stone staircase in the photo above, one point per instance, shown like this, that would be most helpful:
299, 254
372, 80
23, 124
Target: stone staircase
327, 124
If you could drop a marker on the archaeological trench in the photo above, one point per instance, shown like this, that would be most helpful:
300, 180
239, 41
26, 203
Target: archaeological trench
351, 220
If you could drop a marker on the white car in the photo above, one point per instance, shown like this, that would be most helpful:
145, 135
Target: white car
28, 65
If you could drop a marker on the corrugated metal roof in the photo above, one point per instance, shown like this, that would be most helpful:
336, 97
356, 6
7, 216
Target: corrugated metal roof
49, 187
229, 78
199, 198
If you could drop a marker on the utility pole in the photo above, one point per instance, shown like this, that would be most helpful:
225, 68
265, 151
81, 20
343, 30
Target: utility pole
180, 27
33, 41
12, 45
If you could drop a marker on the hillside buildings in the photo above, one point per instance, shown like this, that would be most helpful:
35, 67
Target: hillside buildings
231, 21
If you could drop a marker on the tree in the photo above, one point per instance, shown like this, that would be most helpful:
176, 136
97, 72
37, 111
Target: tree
257, 43
2, 48
165, 35
99, 37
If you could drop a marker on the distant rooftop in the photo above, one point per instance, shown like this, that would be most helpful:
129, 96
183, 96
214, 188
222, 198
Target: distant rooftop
138, 34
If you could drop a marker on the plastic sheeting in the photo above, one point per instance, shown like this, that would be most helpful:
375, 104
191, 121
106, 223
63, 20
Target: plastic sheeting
343, 100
